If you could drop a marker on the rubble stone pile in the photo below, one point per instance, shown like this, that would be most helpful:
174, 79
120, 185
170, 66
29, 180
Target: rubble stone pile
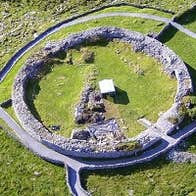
91, 107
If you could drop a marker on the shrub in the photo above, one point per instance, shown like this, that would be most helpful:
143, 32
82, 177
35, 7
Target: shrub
69, 58
173, 120
192, 113
183, 111
87, 55
187, 114
128, 146
189, 101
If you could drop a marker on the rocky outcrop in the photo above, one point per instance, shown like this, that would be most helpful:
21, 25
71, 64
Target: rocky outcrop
80, 134
181, 157
35, 67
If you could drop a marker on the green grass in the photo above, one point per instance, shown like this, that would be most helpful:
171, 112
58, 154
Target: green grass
160, 177
17, 178
38, 22
157, 178
137, 10
192, 144
139, 95
18, 169
188, 19
136, 24
33, 17
59, 92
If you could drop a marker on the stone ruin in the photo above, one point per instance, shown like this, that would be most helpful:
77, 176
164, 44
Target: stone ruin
90, 111
106, 130
84, 145
91, 107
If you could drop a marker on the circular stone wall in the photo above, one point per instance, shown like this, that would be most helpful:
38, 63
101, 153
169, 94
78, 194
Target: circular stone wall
34, 67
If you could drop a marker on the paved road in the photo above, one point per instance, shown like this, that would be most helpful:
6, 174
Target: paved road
74, 166
129, 14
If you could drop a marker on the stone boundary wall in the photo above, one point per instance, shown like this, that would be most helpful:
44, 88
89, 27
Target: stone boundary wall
33, 67
76, 150
147, 158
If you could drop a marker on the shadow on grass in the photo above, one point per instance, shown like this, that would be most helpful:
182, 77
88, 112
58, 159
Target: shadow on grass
121, 97
32, 90
169, 32
95, 41
187, 17
191, 141
192, 72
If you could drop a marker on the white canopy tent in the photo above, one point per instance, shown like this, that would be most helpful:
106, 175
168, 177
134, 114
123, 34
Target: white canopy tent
107, 86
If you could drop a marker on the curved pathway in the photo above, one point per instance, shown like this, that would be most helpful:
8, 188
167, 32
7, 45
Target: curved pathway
71, 22
75, 166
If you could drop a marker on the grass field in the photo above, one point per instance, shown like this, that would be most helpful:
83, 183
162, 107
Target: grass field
59, 91
161, 177
32, 18
17, 165
136, 24
140, 94
23, 173
157, 178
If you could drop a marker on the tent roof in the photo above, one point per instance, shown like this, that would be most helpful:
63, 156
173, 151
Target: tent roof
106, 86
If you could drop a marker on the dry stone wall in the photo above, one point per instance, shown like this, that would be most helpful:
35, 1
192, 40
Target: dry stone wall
33, 68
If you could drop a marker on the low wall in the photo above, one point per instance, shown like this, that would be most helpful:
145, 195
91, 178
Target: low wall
172, 64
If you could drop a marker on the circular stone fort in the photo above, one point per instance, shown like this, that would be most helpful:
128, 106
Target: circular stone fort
92, 142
